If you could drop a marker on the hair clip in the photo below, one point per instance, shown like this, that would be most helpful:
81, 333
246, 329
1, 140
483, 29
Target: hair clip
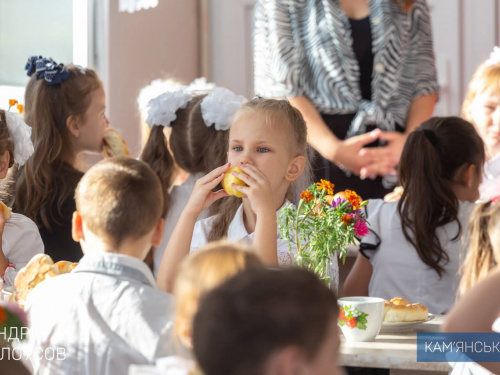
30, 66
218, 108
431, 136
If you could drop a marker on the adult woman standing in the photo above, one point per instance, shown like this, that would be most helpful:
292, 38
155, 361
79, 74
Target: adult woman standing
350, 66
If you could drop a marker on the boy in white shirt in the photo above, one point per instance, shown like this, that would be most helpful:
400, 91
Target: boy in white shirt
107, 313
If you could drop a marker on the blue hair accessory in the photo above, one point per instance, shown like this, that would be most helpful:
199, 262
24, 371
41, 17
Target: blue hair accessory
55, 74
31, 65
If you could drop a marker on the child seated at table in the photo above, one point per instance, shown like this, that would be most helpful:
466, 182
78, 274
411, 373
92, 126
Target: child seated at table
266, 321
108, 312
19, 236
199, 273
414, 245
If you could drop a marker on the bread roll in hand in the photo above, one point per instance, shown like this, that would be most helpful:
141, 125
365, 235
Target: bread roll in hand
114, 145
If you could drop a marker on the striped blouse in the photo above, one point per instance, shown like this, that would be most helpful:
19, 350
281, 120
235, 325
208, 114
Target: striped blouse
304, 48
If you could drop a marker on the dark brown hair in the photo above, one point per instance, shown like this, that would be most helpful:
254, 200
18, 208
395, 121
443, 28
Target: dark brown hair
273, 112
194, 147
243, 322
431, 157
119, 198
43, 180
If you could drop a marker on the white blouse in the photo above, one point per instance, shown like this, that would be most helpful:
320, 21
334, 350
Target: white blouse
397, 269
237, 232
179, 197
21, 241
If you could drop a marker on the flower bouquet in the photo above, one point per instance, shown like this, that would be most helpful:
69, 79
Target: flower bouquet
322, 225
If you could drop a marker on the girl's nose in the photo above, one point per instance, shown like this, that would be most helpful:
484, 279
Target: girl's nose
246, 160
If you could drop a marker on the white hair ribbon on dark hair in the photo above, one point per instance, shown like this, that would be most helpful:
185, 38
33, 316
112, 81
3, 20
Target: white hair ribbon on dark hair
20, 134
218, 107
163, 108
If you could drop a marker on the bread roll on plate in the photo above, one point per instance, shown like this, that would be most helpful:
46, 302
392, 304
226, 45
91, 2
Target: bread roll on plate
400, 310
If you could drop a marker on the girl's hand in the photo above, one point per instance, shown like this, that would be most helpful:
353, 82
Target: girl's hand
202, 196
258, 191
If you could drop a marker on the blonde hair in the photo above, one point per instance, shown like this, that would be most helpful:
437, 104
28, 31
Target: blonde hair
44, 178
204, 270
119, 198
484, 245
486, 77
273, 112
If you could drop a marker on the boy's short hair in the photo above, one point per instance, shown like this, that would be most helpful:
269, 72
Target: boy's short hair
119, 198
243, 322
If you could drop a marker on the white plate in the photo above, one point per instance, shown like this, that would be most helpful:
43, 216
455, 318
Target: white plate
393, 327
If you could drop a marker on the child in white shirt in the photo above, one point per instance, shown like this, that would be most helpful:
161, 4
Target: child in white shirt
197, 118
268, 141
108, 313
414, 246
20, 238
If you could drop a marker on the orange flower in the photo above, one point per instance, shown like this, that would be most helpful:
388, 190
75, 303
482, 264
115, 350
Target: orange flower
306, 195
346, 219
20, 108
3, 315
12, 102
353, 198
325, 185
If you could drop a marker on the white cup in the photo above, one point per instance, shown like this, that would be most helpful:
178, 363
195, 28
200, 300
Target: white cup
360, 318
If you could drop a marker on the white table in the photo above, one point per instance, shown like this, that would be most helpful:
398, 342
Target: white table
396, 352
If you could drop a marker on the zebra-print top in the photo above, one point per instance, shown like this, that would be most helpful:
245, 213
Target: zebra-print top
304, 48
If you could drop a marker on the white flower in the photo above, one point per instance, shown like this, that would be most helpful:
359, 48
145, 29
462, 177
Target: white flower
20, 134
200, 85
162, 109
494, 58
219, 107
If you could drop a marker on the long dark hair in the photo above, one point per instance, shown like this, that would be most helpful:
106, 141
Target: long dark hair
431, 157
44, 181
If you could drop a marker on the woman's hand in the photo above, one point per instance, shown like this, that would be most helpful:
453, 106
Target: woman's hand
203, 196
347, 154
258, 191
381, 161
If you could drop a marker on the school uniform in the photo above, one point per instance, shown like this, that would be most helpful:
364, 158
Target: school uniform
397, 269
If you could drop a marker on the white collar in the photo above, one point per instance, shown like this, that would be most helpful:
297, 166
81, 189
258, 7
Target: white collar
237, 230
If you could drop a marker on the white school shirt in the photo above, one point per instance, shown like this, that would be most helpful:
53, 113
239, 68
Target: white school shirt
179, 197
21, 241
397, 268
104, 316
237, 232
173, 365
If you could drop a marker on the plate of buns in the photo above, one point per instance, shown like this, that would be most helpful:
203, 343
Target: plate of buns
401, 316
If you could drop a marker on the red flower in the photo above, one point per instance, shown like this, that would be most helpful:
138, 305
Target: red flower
3, 315
351, 322
360, 228
342, 315
346, 219
306, 195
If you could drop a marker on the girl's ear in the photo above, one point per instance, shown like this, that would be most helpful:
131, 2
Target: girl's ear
4, 164
73, 125
295, 168
469, 176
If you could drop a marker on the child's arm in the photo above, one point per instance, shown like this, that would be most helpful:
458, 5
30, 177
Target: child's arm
3, 260
358, 279
476, 311
258, 191
180, 241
